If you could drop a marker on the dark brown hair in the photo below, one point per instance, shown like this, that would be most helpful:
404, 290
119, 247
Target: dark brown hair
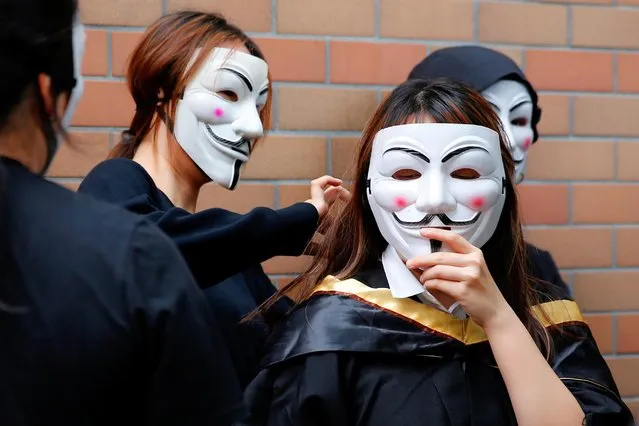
157, 74
353, 242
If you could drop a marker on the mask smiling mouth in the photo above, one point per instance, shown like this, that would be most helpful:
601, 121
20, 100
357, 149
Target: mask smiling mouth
448, 222
241, 146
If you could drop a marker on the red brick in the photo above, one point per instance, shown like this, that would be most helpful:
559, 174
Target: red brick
310, 108
286, 265
628, 72
627, 155
295, 60
624, 371
427, 19
288, 157
606, 291
571, 160
249, 15
95, 53
601, 327
555, 116
543, 204
628, 333
522, 23
606, 116
605, 27
343, 152
122, 45
574, 247
627, 246
373, 63
326, 17
77, 157
291, 194
605, 203
564, 70
120, 12
104, 103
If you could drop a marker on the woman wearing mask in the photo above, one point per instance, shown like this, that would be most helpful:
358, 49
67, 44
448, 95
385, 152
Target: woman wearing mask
504, 85
100, 320
203, 96
418, 309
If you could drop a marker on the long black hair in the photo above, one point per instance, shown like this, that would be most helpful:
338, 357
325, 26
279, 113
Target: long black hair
35, 38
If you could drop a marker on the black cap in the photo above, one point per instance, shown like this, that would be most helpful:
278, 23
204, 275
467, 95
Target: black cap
478, 67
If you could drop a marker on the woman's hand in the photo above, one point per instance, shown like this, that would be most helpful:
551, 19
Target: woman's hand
462, 275
324, 191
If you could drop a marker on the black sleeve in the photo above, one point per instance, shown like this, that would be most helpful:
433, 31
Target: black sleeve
309, 391
580, 366
216, 243
190, 374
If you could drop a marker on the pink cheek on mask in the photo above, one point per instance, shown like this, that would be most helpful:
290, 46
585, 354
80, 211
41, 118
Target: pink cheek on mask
477, 203
401, 202
219, 112
527, 143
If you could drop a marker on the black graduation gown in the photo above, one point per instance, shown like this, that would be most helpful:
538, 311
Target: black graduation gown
353, 355
114, 331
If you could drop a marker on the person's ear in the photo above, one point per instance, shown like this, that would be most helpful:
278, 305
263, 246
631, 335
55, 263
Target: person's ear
59, 104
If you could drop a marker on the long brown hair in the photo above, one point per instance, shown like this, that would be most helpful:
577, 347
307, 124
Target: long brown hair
157, 73
353, 242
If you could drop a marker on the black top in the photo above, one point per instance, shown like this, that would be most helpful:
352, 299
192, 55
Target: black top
353, 355
233, 242
216, 243
111, 327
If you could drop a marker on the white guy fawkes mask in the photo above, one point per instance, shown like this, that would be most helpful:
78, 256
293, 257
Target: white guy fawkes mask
514, 106
435, 175
218, 119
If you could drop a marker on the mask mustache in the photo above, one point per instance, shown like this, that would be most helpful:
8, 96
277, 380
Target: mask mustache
235, 146
442, 217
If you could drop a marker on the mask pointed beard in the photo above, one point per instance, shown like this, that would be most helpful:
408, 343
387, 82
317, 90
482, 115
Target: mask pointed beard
438, 175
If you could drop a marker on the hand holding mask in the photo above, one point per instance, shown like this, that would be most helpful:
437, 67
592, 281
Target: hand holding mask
461, 275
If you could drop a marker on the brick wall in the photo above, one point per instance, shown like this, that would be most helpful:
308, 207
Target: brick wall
333, 60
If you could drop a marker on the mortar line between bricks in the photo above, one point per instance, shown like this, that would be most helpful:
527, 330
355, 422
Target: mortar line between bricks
274, 16
329, 155
569, 26
378, 12
392, 40
571, 201
109, 55
370, 86
276, 195
613, 250
165, 7
327, 53
476, 21
615, 330
615, 72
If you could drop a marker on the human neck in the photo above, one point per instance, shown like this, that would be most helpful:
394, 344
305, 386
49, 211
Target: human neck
171, 169
21, 148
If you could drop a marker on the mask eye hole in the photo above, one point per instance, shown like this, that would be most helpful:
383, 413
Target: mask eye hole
229, 95
519, 122
406, 174
466, 174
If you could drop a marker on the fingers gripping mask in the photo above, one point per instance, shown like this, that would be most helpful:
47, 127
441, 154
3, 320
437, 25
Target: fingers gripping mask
217, 120
435, 175
514, 106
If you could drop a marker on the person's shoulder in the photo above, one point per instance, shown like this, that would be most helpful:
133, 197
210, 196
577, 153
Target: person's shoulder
112, 174
548, 281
